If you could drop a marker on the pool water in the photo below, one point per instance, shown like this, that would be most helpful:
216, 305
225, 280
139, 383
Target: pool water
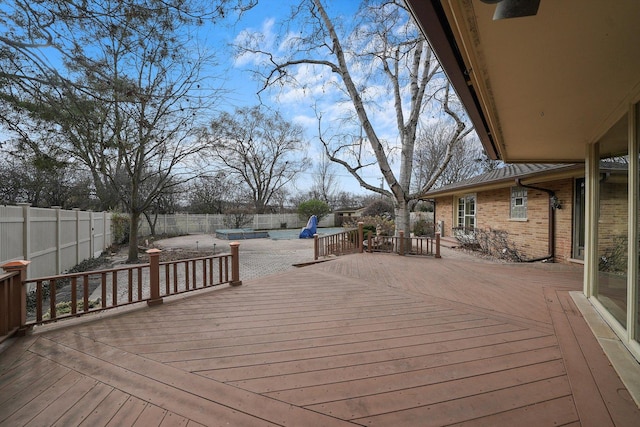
283, 234
289, 234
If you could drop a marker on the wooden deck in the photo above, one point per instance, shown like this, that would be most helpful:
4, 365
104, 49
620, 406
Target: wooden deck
367, 339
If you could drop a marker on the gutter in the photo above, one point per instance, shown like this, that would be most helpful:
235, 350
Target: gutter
553, 205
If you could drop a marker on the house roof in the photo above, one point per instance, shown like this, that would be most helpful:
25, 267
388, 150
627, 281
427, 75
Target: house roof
538, 88
506, 176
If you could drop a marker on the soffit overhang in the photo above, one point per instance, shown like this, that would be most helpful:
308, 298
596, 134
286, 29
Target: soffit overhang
539, 88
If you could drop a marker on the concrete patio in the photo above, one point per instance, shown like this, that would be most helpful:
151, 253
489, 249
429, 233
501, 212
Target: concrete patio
368, 339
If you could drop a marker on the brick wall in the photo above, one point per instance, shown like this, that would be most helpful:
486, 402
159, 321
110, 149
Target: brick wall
444, 212
531, 236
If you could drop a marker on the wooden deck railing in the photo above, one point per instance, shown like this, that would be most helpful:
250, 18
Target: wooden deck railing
351, 241
341, 243
429, 246
70, 295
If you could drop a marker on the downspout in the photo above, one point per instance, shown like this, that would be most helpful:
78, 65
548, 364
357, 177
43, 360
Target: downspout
553, 204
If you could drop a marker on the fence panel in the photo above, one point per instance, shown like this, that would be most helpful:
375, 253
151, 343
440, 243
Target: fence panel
98, 233
84, 233
68, 238
53, 239
42, 240
11, 233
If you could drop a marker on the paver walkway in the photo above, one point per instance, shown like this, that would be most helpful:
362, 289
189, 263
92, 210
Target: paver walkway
369, 339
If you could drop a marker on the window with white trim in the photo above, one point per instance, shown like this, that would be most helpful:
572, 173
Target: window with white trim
467, 211
518, 203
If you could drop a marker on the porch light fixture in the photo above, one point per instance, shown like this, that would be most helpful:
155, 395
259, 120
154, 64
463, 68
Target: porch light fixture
506, 9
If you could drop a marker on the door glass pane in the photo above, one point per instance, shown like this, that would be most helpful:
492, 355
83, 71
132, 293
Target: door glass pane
613, 237
579, 223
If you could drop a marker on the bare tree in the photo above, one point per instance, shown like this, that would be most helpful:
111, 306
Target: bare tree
212, 194
264, 151
325, 182
431, 150
122, 93
381, 60
45, 182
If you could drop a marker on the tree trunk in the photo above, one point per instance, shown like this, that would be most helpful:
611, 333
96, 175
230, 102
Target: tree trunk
152, 224
133, 237
402, 217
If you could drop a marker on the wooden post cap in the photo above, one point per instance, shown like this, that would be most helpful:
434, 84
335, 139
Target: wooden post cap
15, 265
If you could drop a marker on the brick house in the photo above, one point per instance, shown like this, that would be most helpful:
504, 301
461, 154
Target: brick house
540, 206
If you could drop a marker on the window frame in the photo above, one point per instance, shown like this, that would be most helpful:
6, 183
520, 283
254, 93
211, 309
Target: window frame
518, 212
466, 217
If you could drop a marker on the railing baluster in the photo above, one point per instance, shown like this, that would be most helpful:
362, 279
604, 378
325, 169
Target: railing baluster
204, 273
186, 275
85, 292
74, 295
52, 299
167, 283
193, 274
130, 284
210, 271
175, 278
39, 300
220, 278
114, 288
103, 284
139, 283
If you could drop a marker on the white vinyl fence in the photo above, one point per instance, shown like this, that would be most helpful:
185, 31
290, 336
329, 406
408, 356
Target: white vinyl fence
54, 240
176, 224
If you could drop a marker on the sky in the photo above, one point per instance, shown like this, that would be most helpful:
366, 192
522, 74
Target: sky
298, 105
295, 104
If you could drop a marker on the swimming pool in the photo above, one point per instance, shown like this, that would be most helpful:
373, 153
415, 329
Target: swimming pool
282, 234
289, 234
241, 234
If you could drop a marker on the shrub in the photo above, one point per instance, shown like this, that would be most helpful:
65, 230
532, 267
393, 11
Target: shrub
495, 243
313, 207
371, 224
120, 226
379, 208
65, 308
423, 228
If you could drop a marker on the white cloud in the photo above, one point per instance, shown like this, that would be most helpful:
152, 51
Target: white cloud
263, 40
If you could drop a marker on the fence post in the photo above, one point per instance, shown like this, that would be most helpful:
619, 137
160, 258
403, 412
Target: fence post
58, 238
438, 245
92, 237
17, 295
77, 211
154, 277
369, 243
360, 236
235, 264
26, 230
316, 247
401, 243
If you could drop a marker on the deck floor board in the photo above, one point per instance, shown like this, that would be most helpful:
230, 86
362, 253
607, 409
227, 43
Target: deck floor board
366, 339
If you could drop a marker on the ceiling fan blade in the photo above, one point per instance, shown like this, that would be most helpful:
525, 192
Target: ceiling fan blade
515, 9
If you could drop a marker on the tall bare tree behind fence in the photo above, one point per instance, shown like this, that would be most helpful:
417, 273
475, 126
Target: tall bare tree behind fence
54, 240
